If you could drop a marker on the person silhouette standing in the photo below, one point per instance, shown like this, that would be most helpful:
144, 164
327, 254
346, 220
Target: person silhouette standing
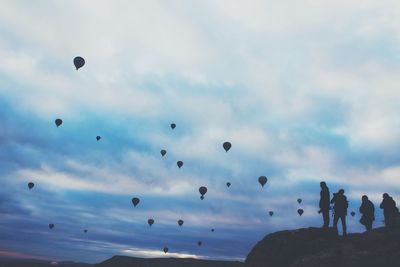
367, 210
324, 203
389, 210
340, 209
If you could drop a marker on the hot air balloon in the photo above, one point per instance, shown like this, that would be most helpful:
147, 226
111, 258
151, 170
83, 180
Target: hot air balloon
180, 222
262, 180
212, 230
31, 185
51, 226
352, 213
299, 200
271, 213
79, 62
203, 191
180, 164
58, 122
300, 211
163, 152
227, 146
199, 243
135, 201
98, 138
173, 125
150, 222
165, 250
228, 184
85, 231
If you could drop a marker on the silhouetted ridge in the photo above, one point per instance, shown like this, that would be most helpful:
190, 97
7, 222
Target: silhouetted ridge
123, 261
318, 247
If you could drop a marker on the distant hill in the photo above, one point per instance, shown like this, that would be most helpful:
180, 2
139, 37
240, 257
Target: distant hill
122, 261
315, 247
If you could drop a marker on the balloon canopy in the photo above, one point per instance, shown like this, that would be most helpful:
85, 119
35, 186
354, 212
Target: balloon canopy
227, 146
58, 122
31, 185
271, 213
79, 62
262, 180
300, 211
135, 201
203, 191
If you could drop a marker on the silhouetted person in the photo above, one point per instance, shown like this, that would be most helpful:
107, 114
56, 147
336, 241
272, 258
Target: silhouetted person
389, 210
367, 210
324, 203
340, 209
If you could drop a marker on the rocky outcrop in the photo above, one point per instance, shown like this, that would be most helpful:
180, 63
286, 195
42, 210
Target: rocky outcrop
314, 247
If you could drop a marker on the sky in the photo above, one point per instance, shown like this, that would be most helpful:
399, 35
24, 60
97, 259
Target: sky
304, 90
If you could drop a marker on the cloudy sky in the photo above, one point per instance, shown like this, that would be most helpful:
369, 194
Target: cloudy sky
304, 90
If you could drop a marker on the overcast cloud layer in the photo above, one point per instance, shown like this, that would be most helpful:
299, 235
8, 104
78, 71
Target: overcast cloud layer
304, 90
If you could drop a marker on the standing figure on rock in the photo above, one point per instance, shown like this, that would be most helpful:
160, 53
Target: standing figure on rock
324, 203
340, 209
367, 210
389, 210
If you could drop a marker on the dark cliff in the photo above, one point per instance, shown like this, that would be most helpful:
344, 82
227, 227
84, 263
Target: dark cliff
315, 247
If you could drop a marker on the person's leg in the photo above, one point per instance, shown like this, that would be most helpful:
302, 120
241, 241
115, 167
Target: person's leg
335, 221
368, 225
325, 215
343, 219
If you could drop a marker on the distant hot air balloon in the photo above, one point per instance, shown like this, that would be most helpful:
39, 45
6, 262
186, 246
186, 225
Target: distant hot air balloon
165, 250
203, 191
352, 213
212, 230
180, 164
58, 122
98, 138
180, 222
85, 231
173, 125
299, 200
271, 213
199, 243
31, 185
51, 226
79, 62
262, 180
228, 184
300, 211
150, 222
135, 201
227, 146
163, 152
